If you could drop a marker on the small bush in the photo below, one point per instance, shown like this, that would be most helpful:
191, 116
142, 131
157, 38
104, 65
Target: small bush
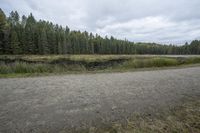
4, 69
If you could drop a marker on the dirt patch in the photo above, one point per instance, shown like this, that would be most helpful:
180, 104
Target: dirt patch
91, 65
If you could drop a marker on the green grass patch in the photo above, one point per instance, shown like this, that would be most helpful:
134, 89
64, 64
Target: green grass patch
151, 62
21, 67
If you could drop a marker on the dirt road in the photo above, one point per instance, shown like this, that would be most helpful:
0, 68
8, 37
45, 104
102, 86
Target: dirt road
58, 103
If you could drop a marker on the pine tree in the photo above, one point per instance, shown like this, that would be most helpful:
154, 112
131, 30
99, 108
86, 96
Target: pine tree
14, 18
30, 28
14, 43
66, 40
44, 48
59, 48
2, 31
29, 36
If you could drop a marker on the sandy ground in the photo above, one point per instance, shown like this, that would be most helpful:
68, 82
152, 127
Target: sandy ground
59, 103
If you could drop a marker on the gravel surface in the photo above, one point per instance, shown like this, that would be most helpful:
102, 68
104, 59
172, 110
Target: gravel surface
57, 103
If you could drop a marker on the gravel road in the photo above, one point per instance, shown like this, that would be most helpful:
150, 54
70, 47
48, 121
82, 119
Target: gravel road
57, 103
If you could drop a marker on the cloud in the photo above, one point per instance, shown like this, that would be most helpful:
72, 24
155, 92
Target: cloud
153, 29
136, 20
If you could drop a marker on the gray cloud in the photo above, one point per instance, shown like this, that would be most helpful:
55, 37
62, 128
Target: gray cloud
172, 21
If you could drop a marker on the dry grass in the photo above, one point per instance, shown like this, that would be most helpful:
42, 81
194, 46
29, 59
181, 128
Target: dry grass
181, 119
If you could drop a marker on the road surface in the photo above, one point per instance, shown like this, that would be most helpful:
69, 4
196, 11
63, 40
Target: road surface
60, 103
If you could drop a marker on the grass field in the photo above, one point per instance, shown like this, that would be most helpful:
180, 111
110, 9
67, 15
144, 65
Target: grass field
27, 65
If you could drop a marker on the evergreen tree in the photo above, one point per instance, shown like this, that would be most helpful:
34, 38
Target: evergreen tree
2, 31
44, 43
14, 18
28, 36
14, 43
30, 46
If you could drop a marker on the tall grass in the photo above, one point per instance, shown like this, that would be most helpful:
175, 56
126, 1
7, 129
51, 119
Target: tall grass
192, 60
60, 65
152, 62
21, 67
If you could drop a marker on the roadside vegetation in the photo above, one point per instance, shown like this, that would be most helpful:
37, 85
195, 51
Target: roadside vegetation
184, 118
35, 64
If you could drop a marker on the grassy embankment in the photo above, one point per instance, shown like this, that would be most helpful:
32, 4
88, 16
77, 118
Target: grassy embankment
12, 66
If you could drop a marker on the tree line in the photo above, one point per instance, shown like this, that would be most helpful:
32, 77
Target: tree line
26, 35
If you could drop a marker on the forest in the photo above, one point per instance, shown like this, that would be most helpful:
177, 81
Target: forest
26, 35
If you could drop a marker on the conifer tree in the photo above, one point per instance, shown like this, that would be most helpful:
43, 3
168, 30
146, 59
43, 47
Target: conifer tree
44, 43
14, 43
28, 36
2, 31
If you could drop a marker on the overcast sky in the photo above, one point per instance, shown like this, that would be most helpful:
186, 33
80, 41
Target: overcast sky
170, 21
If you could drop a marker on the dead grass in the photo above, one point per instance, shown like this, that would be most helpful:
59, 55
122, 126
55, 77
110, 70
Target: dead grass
181, 119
